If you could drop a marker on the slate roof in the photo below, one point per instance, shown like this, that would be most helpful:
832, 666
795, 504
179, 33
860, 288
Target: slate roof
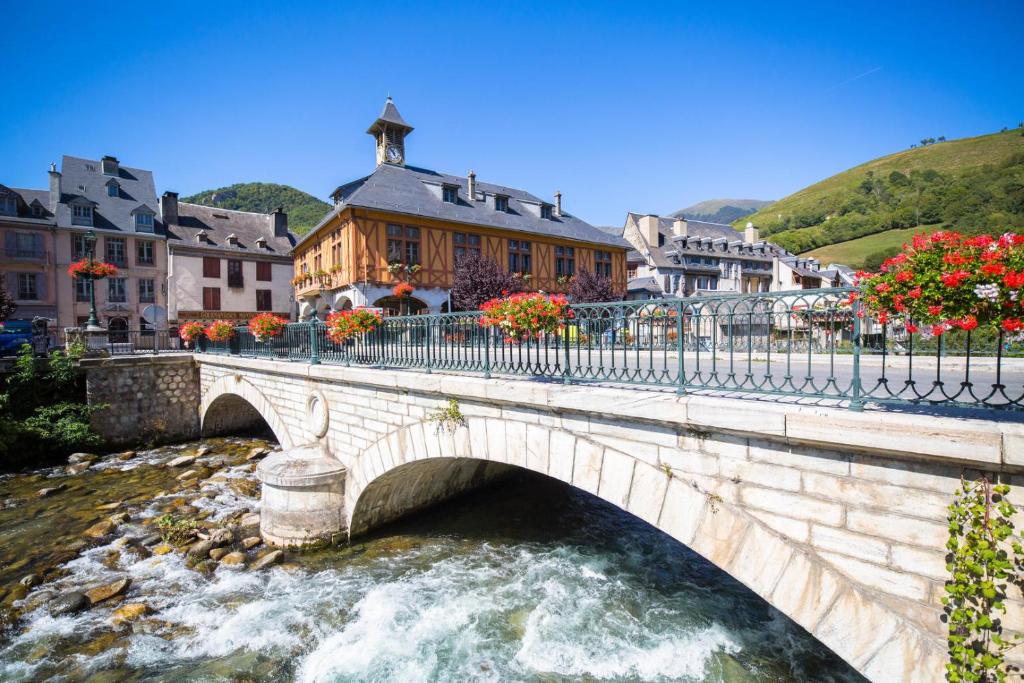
27, 197
644, 284
219, 223
389, 115
418, 192
84, 178
662, 257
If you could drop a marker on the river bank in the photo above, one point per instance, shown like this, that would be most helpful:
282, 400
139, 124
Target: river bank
527, 581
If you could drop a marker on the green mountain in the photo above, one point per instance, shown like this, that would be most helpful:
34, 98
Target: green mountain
972, 184
721, 210
304, 210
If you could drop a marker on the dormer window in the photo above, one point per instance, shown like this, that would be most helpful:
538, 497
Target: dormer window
501, 203
261, 242
8, 206
113, 189
81, 214
233, 239
201, 236
109, 165
143, 222
37, 210
545, 212
450, 194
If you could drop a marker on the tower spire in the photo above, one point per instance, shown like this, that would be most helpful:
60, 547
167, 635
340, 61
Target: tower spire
389, 130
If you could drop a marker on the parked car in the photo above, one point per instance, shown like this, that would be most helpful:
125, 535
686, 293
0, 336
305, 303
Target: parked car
13, 334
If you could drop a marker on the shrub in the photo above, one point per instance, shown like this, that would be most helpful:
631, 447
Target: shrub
176, 531
479, 279
588, 287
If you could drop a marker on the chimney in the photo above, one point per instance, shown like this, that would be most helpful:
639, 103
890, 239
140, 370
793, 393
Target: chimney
280, 222
169, 208
649, 229
680, 228
558, 203
751, 234
471, 189
54, 187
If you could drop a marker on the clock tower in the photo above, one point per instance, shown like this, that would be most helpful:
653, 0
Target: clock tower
389, 130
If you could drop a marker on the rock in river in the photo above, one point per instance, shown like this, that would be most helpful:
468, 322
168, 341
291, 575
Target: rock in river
49, 491
273, 557
251, 542
233, 558
221, 537
107, 591
69, 603
100, 529
218, 553
200, 548
76, 458
130, 612
183, 461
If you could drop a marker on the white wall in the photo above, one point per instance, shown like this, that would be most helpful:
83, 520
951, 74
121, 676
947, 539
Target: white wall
186, 284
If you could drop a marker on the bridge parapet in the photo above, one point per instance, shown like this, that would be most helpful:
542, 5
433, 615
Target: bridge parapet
836, 518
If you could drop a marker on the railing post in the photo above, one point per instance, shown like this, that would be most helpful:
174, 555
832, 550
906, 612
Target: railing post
857, 399
681, 365
566, 375
487, 353
314, 343
428, 323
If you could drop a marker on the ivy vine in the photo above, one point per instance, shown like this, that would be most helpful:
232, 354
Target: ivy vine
984, 560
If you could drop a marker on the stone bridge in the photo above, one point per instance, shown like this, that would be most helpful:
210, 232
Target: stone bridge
835, 518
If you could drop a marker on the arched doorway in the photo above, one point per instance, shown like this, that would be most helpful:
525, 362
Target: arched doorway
117, 330
394, 305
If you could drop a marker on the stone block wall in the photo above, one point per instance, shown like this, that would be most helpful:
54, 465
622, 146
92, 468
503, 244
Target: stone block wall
148, 399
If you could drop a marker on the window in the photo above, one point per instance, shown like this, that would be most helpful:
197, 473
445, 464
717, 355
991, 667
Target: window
707, 283
108, 165
519, 256
81, 215
501, 203
27, 286
450, 194
116, 292
147, 291
211, 266
144, 253
603, 263
8, 206
115, 250
235, 273
565, 261
211, 298
78, 247
545, 211
264, 300
143, 222
465, 244
37, 211
81, 290
403, 245
263, 271
27, 245
113, 189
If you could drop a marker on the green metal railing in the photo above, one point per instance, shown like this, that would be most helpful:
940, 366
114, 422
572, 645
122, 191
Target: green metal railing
808, 344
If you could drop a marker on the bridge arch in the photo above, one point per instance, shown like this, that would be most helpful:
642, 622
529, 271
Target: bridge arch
228, 400
419, 465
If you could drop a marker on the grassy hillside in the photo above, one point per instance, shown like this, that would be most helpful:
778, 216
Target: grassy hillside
304, 210
721, 210
972, 184
869, 251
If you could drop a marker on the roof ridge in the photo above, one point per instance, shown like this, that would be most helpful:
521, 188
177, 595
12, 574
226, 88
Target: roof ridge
219, 208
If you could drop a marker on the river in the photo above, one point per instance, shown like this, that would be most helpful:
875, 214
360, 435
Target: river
526, 581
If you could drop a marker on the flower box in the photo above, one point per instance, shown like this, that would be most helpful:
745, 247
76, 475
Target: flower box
520, 317
345, 325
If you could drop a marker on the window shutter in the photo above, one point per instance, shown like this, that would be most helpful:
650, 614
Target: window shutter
37, 242
41, 282
10, 243
12, 284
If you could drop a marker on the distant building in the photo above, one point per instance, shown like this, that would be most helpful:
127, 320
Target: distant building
119, 205
226, 264
27, 265
679, 257
402, 222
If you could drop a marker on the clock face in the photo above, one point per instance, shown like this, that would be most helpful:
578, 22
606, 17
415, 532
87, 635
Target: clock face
394, 153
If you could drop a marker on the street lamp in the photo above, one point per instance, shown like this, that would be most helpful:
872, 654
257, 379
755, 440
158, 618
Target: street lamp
93, 324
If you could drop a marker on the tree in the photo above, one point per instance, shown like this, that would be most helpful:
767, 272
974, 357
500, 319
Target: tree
479, 279
587, 287
7, 305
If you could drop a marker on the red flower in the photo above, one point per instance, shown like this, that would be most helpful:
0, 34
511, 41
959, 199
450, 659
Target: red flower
1013, 325
934, 310
1014, 280
968, 322
904, 276
955, 278
912, 328
915, 293
402, 290
993, 269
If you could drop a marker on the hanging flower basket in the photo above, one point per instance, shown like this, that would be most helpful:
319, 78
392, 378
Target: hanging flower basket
522, 316
97, 271
345, 325
266, 325
190, 331
947, 281
403, 289
220, 331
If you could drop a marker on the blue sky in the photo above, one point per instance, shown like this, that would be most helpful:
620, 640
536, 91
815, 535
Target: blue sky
622, 106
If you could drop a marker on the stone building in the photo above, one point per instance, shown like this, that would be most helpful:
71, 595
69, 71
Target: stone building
119, 205
226, 264
407, 223
27, 268
680, 257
